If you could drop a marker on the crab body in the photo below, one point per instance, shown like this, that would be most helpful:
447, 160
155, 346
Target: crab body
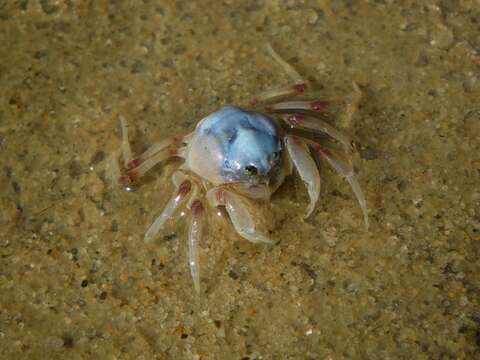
234, 155
235, 146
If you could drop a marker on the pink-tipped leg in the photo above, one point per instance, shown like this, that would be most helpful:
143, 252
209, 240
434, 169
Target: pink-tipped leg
306, 167
280, 92
139, 167
170, 144
125, 146
298, 86
346, 169
136, 168
289, 69
352, 100
318, 106
237, 209
124, 153
184, 187
194, 237
303, 121
113, 168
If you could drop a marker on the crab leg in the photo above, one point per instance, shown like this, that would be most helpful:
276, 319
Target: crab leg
137, 172
304, 163
240, 216
352, 101
318, 125
125, 147
158, 152
113, 169
283, 91
172, 142
346, 170
298, 87
184, 187
289, 69
130, 162
305, 105
123, 152
194, 238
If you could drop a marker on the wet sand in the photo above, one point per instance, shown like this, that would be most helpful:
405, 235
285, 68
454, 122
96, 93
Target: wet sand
76, 279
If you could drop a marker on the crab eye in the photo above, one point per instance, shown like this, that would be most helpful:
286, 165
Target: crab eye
250, 170
275, 155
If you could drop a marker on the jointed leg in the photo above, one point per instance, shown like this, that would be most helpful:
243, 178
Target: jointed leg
280, 92
297, 87
172, 144
184, 186
168, 144
303, 109
125, 147
112, 168
123, 152
289, 69
134, 174
344, 168
317, 125
320, 106
195, 230
352, 100
306, 167
135, 168
185, 189
237, 209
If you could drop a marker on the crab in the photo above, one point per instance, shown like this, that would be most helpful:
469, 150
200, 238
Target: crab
237, 154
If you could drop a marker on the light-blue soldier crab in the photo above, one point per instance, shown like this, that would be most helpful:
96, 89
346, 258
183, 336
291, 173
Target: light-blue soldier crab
234, 155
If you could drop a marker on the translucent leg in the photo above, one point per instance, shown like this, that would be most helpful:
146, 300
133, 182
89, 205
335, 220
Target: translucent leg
306, 167
194, 238
184, 186
344, 168
289, 69
280, 92
158, 152
297, 87
305, 105
171, 144
237, 209
352, 101
323, 106
112, 168
125, 147
311, 123
136, 173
